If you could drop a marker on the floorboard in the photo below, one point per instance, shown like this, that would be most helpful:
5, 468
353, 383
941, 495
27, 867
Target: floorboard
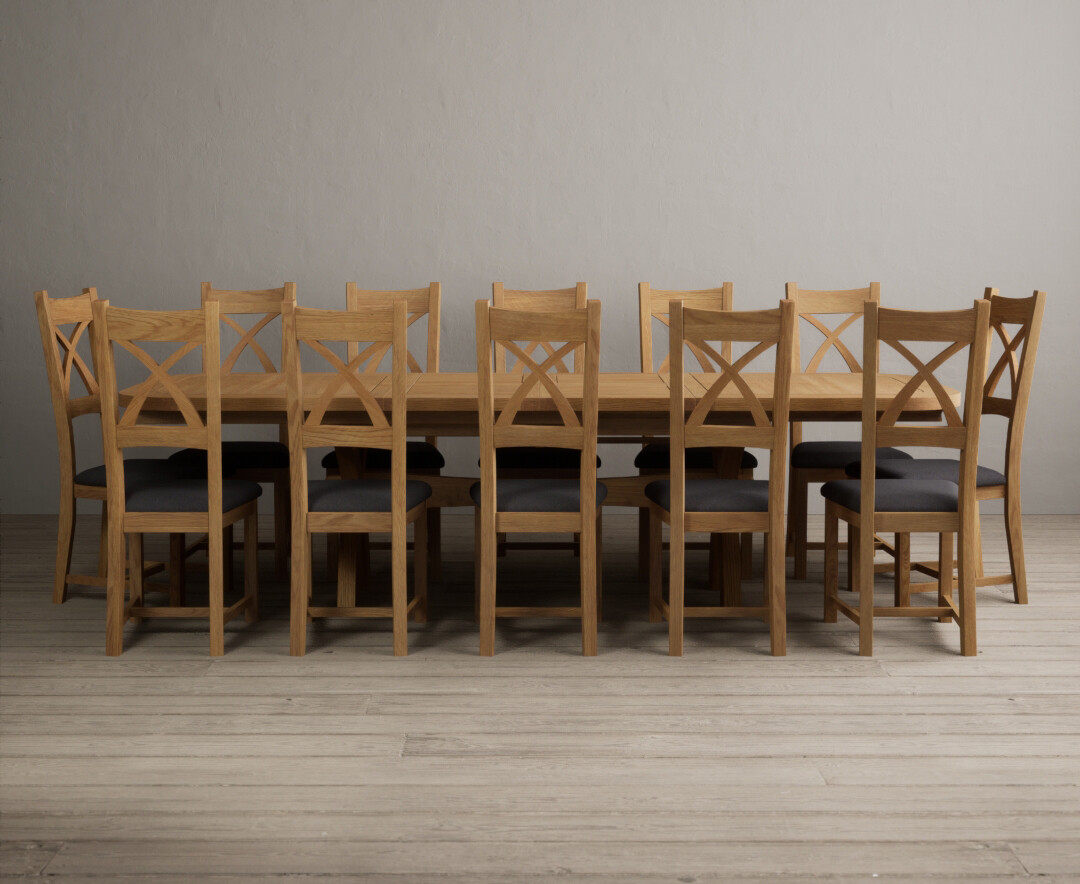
725, 765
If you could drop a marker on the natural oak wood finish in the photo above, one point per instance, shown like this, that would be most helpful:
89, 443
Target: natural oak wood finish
269, 303
190, 329
694, 424
1016, 323
654, 305
312, 425
556, 334
421, 303
810, 306
958, 331
62, 363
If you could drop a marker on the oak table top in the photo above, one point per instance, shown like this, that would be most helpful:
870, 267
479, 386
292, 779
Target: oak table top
445, 403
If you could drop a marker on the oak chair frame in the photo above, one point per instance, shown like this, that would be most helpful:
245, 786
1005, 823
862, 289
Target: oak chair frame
578, 331
655, 305
958, 330
118, 326
1027, 313
809, 305
380, 327
575, 297
765, 329
270, 303
421, 302
62, 361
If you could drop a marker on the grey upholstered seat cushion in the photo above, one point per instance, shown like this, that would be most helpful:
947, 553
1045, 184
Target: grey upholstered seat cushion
186, 495
537, 458
715, 495
930, 468
657, 456
835, 455
137, 468
897, 495
538, 495
245, 454
419, 455
361, 495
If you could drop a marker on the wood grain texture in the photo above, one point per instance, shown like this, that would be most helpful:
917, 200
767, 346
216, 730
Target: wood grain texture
631, 767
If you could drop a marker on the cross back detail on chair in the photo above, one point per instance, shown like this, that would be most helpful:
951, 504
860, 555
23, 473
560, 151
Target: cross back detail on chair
563, 332
548, 300
810, 305
377, 326
268, 302
188, 330
956, 331
764, 330
63, 361
419, 303
655, 305
1019, 346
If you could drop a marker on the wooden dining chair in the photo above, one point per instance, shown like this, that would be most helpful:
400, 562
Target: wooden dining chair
165, 504
255, 460
540, 503
717, 505
870, 505
352, 506
62, 363
422, 457
529, 461
654, 307
826, 460
1015, 323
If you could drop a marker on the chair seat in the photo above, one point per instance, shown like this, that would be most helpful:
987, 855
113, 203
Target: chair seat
537, 458
930, 468
419, 455
138, 468
835, 455
897, 495
538, 495
657, 456
241, 455
715, 495
165, 495
361, 495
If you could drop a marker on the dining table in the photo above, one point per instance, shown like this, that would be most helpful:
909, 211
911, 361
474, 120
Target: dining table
633, 407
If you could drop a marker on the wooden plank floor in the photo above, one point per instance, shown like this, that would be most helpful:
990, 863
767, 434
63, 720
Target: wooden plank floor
725, 765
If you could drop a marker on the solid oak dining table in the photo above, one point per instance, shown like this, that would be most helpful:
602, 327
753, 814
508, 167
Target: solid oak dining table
632, 405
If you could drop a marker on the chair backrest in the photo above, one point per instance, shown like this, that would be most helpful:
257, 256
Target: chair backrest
545, 301
655, 304
706, 425
269, 302
1016, 323
960, 332
63, 362
562, 331
810, 306
121, 328
313, 330
420, 303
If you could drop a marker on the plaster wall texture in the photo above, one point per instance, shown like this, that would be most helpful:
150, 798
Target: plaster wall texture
148, 146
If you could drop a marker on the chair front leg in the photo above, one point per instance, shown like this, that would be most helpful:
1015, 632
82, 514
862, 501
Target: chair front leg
588, 569
798, 503
487, 563
676, 588
420, 567
177, 568
945, 572
400, 586
832, 561
251, 566
861, 549
218, 568
116, 586
135, 570
902, 570
656, 552
774, 589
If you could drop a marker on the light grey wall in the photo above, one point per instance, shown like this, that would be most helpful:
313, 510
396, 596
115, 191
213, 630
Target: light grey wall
150, 145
